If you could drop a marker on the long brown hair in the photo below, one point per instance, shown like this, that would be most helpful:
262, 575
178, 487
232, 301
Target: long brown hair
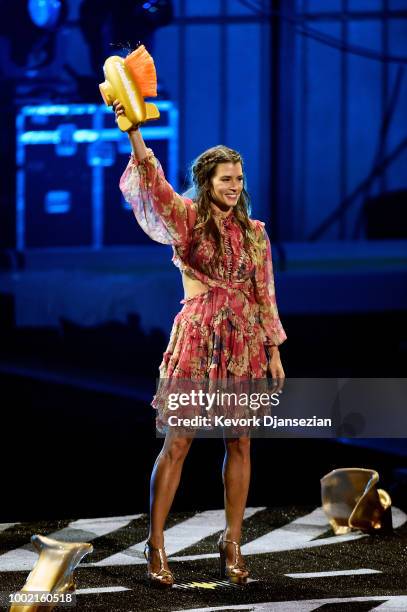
202, 172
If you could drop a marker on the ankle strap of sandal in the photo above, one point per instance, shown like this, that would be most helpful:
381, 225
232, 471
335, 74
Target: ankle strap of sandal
231, 542
151, 547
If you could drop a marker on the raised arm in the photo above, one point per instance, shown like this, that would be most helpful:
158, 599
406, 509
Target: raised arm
138, 145
162, 213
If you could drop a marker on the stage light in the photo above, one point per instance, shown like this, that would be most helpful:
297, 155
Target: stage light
155, 5
46, 14
31, 27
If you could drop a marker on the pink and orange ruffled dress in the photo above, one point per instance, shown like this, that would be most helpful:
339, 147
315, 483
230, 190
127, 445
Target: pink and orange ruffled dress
223, 332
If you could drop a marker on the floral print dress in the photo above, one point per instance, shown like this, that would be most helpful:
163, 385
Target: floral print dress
224, 331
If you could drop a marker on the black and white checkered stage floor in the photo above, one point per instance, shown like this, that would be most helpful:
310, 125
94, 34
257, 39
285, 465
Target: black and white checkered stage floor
296, 563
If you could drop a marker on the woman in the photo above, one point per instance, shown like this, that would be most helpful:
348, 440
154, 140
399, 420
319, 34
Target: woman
228, 327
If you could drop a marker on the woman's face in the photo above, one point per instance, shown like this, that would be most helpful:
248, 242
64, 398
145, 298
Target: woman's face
227, 185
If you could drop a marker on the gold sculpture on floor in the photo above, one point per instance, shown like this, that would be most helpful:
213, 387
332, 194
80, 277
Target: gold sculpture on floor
53, 571
351, 500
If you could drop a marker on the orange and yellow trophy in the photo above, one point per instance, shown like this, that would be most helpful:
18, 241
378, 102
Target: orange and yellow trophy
130, 80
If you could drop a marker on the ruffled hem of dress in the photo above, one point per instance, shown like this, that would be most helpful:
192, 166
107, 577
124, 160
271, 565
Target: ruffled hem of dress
221, 348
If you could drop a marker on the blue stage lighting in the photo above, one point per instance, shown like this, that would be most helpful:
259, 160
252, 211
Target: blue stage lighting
70, 158
45, 13
66, 145
57, 202
101, 153
32, 27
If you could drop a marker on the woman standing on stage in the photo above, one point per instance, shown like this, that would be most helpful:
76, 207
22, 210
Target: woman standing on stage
228, 327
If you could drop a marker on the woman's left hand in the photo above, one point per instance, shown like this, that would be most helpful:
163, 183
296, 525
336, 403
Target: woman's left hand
275, 367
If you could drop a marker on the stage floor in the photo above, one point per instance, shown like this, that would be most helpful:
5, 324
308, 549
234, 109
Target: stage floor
296, 563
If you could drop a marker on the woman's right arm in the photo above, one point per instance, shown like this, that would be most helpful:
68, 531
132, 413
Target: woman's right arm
162, 213
138, 145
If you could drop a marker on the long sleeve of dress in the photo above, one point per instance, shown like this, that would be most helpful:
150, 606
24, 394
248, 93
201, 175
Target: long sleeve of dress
162, 213
265, 295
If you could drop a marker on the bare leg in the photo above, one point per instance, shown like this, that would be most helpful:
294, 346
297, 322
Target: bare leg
164, 483
236, 480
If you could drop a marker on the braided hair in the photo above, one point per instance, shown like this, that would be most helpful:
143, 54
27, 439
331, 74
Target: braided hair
202, 171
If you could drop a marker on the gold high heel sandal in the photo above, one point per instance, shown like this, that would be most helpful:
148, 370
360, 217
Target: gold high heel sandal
162, 578
236, 572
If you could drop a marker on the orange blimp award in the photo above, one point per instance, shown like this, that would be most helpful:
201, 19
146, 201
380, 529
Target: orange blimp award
130, 80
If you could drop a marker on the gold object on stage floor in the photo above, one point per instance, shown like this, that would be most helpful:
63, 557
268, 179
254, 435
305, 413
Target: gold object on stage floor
351, 500
53, 571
